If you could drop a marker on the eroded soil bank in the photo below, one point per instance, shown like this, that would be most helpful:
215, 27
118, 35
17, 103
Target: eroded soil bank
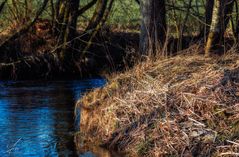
186, 105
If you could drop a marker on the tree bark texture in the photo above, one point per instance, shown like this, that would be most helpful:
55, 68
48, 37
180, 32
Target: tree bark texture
153, 26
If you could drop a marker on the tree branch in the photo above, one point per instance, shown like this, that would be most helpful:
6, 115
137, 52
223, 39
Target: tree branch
2, 5
86, 7
25, 28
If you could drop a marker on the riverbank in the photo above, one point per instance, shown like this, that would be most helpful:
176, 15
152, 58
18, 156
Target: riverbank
34, 56
186, 105
37, 117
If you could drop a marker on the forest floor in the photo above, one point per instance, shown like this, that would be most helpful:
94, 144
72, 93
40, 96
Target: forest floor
185, 105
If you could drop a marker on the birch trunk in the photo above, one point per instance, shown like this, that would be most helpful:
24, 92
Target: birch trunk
220, 18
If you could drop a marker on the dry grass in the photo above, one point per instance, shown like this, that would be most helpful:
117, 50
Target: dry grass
187, 105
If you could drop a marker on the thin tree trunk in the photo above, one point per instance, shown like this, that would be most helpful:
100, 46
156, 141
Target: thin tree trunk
102, 10
65, 29
208, 19
70, 30
153, 26
98, 27
53, 14
98, 15
25, 28
2, 5
182, 30
86, 7
237, 21
60, 9
221, 15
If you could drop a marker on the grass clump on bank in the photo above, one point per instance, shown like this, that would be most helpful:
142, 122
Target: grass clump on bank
186, 105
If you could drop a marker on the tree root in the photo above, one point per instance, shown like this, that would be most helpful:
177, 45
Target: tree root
42, 66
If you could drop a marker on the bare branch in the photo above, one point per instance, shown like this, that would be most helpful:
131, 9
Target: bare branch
2, 5
25, 28
86, 7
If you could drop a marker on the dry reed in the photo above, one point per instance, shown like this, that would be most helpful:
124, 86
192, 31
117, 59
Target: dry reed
187, 105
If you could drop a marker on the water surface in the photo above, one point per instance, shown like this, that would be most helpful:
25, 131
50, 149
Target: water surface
37, 118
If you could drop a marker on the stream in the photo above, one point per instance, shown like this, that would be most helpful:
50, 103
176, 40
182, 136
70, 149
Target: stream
37, 117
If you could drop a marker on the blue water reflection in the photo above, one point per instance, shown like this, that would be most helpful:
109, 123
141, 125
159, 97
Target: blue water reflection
36, 118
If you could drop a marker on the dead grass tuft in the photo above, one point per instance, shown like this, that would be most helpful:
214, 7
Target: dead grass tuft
187, 105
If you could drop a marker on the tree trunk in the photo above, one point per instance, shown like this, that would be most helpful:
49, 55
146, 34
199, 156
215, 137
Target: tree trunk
69, 30
65, 28
220, 18
153, 26
236, 33
98, 15
208, 19
98, 20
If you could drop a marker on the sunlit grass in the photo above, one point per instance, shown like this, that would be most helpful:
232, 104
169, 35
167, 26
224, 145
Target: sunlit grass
165, 108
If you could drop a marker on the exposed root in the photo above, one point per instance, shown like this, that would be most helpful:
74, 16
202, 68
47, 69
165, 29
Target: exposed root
41, 66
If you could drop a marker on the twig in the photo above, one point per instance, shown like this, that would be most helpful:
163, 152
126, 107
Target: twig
8, 151
229, 153
232, 142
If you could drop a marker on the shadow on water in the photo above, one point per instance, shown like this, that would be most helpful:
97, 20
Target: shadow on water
37, 118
